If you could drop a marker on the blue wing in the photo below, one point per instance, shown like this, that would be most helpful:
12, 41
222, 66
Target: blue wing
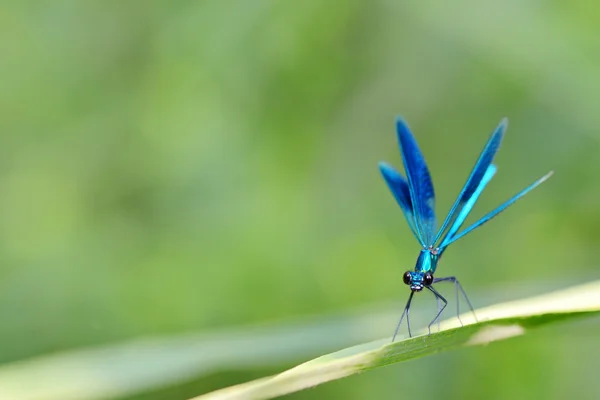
399, 187
467, 207
500, 208
473, 182
419, 183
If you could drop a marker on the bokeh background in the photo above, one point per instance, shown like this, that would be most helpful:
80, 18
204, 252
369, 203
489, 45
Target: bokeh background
204, 173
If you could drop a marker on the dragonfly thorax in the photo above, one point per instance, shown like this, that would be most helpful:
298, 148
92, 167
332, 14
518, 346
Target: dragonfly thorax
427, 260
422, 276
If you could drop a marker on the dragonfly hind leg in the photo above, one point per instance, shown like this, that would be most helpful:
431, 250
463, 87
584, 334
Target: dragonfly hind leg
457, 287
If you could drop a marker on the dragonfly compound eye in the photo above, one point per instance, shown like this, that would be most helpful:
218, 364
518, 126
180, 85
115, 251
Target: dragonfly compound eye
427, 279
407, 278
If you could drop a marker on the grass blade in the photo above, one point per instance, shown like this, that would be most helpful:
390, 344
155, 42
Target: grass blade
497, 322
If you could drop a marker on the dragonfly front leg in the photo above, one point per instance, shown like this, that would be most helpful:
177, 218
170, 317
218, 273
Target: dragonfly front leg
439, 307
439, 297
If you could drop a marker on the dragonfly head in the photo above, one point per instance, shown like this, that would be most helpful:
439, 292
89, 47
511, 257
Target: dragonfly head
417, 280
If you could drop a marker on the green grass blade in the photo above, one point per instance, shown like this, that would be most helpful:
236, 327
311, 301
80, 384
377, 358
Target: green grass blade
497, 322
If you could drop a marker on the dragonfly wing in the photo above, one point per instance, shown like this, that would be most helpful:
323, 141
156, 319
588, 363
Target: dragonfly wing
399, 188
468, 206
501, 208
473, 182
420, 184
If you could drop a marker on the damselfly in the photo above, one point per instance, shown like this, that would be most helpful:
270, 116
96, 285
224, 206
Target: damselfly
416, 198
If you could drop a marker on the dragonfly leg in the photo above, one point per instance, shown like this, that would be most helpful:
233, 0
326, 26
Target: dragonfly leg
405, 312
438, 297
457, 287
439, 307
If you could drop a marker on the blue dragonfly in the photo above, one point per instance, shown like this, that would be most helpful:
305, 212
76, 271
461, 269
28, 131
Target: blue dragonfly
416, 198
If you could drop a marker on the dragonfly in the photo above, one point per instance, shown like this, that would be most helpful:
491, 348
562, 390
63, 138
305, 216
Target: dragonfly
416, 198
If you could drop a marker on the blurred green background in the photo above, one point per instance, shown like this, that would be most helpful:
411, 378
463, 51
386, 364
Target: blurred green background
173, 168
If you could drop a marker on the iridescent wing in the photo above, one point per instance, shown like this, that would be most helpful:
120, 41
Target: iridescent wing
399, 188
466, 197
500, 208
468, 206
420, 186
